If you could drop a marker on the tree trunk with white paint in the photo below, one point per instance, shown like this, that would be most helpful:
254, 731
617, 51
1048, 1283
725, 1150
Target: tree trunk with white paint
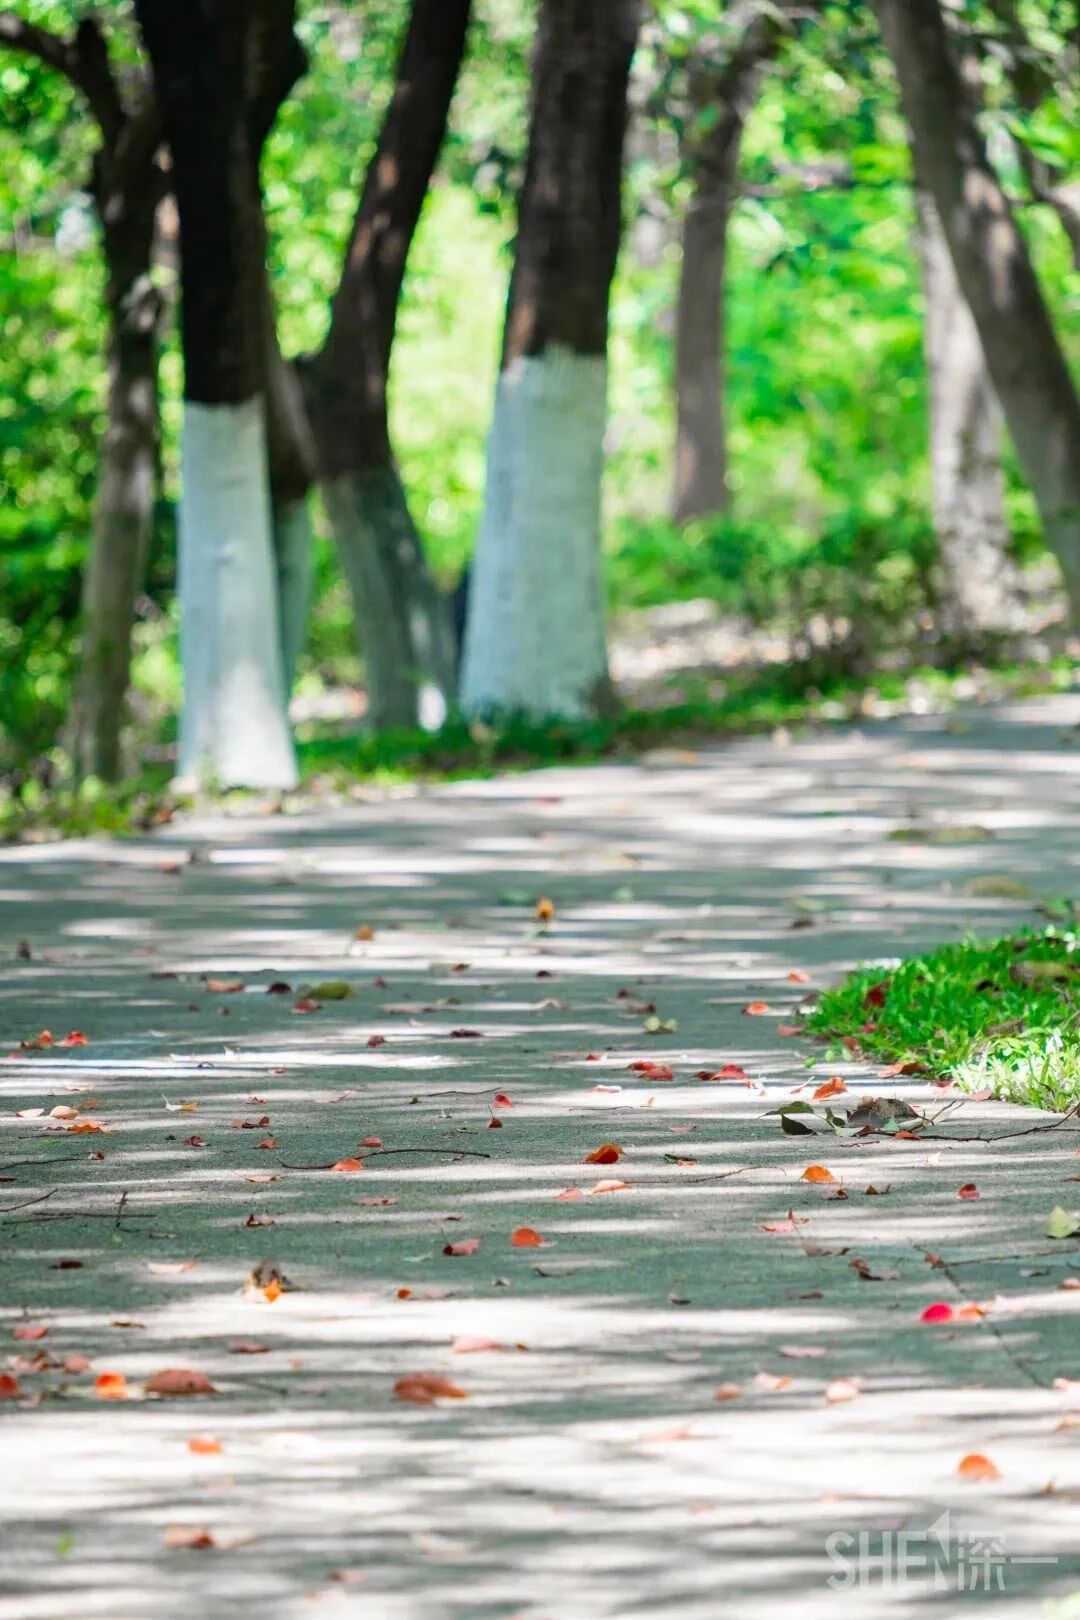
403, 621
1030, 374
234, 728
980, 581
534, 641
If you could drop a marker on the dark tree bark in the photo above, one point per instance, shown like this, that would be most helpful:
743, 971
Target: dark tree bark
403, 621
1025, 360
535, 633
126, 186
723, 86
234, 726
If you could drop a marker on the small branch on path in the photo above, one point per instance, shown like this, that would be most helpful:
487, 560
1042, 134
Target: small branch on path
1005, 1136
454, 1153
120, 1209
7, 1209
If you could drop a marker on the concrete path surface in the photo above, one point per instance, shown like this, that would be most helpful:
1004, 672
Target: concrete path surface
589, 1470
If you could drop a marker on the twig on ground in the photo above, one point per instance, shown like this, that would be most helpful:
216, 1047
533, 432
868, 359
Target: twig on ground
1004, 1136
6, 1209
455, 1153
120, 1209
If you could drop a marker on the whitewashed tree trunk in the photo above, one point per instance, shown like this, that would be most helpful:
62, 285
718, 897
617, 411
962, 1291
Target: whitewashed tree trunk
980, 596
534, 640
233, 729
293, 542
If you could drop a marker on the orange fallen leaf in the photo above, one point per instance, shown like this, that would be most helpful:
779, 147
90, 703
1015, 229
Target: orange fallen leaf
348, 1166
85, 1127
817, 1173
186, 1535
74, 1037
526, 1238
729, 1071
797, 976
975, 1467
179, 1381
423, 1389
204, 1445
969, 1313
224, 987
372, 1142
29, 1330
727, 1392
365, 931
772, 1382
466, 1344
267, 1142
609, 1187
568, 1195
841, 1389
545, 909
968, 1190
831, 1088
464, 1246
111, 1386
606, 1153
757, 1009
271, 1291
305, 1005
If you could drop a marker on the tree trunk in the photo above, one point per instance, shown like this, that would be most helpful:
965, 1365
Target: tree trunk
726, 95
403, 622
534, 640
234, 729
980, 594
128, 475
1025, 361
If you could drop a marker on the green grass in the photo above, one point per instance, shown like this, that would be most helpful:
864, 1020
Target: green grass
998, 1015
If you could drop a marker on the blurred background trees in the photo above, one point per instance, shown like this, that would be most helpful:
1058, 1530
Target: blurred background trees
808, 356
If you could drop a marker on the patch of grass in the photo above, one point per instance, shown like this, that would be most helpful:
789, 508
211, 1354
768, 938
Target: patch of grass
1000, 1015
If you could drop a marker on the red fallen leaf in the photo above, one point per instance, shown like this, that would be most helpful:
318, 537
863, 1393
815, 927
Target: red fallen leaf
463, 1246
261, 1181
818, 1173
9, 1387
372, 1142
593, 1057
606, 1153
66, 1265
893, 1069
976, 1467
251, 1124
788, 1029
501, 1100
730, 1071
757, 1009
76, 1364
797, 976
29, 1330
404, 1293
194, 1141
460, 967
267, 1142
494, 1124
467, 1345
841, 1389
568, 1195
204, 1445
851, 1043
939, 1311
425, 1388
376, 1040
609, 1187
259, 1220
179, 1381
655, 1071
727, 1392
877, 994
835, 1193
37, 1042
111, 1386
187, 1535
74, 1037
526, 1238
306, 1005
247, 1347
831, 1088
465, 1034
348, 1166
224, 987
968, 1190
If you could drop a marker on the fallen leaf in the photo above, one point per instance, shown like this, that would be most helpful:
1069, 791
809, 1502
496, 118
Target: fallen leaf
248, 1347
63, 1111
545, 909
608, 1187
9, 1387
259, 1220
526, 1238
841, 1389
376, 1040
803, 1352
85, 1127
730, 1071
976, 1467
772, 1382
788, 1029
268, 1142
29, 1330
179, 1381
1061, 1224
654, 1071
423, 1389
364, 932
939, 1311
195, 1141
348, 1166
727, 1392
464, 1246
607, 1153
817, 1173
968, 1190
74, 1037
187, 1535
568, 1195
466, 1344
779, 1226
111, 1386
376, 1203
223, 987
466, 1034
757, 1009
305, 1005
831, 1088
372, 1142
797, 976
279, 988
76, 1364
204, 1445
501, 1100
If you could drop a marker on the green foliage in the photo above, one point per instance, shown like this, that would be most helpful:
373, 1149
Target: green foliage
998, 1015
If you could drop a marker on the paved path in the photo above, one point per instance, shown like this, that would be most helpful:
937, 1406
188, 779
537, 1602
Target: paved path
590, 1472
